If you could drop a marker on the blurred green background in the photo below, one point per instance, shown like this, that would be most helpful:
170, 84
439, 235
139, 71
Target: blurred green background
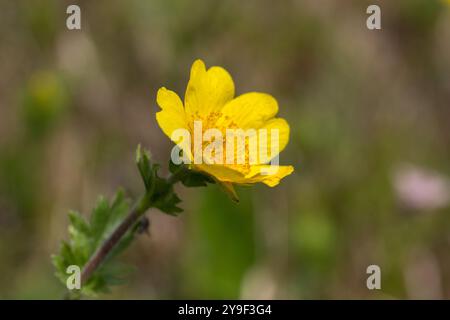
370, 140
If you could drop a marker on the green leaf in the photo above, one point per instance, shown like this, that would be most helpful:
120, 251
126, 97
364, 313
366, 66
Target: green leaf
173, 168
86, 237
190, 178
159, 191
167, 202
196, 179
99, 220
146, 169
78, 222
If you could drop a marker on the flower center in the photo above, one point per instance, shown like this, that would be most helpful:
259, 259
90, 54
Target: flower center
241, 155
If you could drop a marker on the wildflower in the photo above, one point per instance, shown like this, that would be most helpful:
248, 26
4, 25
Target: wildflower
421, 188
210, 100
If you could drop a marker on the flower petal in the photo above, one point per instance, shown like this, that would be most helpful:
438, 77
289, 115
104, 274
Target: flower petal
224, 177
275, 174
268, 174
282, 129
220, 172
207, 90
249, 110
172, 116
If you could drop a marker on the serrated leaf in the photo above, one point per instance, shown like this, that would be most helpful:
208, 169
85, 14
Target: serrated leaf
78, 222
168, 203
99, 219
85, 239
165, 198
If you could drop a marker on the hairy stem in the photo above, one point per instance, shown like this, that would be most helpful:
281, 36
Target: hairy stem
133, 216
99, 256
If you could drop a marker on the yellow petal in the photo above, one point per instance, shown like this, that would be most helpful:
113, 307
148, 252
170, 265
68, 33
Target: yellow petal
282, 129
224, 177
268, 174
249, 110
276, 173
207, 90
220, 172
172, 116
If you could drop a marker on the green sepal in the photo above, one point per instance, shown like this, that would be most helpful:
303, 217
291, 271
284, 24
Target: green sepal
159, 191
190, 178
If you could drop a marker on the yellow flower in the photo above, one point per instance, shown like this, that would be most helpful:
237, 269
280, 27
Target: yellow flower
210, 99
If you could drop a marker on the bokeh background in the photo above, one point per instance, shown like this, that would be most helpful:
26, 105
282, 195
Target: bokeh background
370, 140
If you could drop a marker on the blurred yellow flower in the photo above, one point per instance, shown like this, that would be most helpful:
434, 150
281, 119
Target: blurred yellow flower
210, 102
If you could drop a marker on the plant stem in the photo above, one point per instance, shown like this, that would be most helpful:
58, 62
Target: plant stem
99, 256
138, 210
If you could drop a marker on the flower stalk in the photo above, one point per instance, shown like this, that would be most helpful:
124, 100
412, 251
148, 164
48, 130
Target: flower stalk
100, 255
144, 203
